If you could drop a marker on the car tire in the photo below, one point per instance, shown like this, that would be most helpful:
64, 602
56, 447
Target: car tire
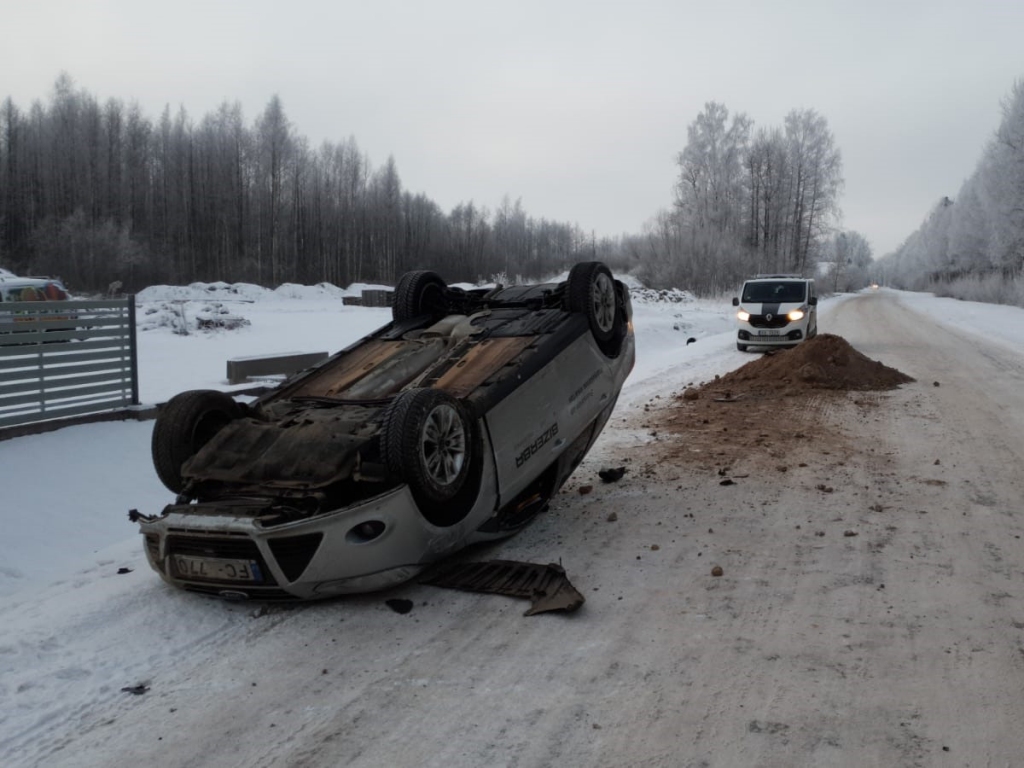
427, 441
184, 425
741, 347
421, 292
590, 290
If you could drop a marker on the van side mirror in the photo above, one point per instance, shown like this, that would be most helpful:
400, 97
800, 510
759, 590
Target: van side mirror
735, 301
813, 301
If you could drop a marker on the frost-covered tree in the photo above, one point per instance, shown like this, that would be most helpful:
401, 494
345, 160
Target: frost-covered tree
973, 247
847, 261
1004, 183
815, 180
710, 189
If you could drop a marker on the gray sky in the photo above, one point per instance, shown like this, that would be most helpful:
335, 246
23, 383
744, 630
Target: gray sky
576, 107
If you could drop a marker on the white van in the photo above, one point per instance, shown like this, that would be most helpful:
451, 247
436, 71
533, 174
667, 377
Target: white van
776, 310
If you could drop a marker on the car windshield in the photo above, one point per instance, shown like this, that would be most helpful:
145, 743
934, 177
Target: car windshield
775, 291
45, 292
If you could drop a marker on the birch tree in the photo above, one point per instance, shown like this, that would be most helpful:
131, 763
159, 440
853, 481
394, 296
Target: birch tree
274, 146
815, 180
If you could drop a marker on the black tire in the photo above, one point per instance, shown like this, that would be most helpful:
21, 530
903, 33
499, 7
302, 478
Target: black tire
186, 424
419, 293
741, 347
590, 289
427, 441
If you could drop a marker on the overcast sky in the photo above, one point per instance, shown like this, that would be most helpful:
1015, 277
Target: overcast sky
576, 107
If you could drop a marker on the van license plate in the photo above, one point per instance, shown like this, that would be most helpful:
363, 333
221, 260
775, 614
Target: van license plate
768, 333
217, 569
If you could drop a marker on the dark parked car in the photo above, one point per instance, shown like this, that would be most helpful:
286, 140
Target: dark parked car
453, 424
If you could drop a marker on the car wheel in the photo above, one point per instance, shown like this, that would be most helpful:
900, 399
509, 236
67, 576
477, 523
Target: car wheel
419, 293
427, 442
186, 424
741, 347
591, 290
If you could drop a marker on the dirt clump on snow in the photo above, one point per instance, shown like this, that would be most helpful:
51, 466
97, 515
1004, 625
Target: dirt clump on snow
824, 362
771, 409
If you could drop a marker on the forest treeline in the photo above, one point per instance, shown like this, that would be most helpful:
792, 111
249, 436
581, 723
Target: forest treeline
972, 246
753, 200
97, 193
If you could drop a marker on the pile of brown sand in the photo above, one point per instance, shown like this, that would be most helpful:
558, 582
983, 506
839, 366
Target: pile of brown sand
824, 362
761, 413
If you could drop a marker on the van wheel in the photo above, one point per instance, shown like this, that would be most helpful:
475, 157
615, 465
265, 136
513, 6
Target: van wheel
419, 293
187, 423
427, 441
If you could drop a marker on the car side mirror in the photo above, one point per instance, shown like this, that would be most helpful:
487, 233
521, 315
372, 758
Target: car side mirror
735, 301
813, 301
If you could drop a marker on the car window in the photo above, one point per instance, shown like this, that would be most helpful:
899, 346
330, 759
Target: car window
55, 292
775, 291
51, 291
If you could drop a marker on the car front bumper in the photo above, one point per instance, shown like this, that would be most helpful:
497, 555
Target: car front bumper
370, 546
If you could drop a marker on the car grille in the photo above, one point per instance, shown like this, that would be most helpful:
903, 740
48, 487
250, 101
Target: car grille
762, 321
238, 548
153, 548
293, 553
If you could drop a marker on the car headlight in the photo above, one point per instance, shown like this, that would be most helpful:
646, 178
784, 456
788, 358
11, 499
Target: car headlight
796, 314
743, 315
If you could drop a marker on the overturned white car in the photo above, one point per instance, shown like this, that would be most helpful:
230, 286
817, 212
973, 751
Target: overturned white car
453, 424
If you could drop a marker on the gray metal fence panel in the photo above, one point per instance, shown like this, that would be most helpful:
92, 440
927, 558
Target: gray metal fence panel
66, 358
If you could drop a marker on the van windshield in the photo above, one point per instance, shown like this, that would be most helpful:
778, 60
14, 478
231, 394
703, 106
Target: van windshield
775, 291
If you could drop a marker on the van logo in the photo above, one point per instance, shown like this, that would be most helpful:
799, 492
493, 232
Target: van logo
769, 317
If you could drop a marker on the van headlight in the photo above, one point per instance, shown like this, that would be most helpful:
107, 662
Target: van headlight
796, 314
743, 315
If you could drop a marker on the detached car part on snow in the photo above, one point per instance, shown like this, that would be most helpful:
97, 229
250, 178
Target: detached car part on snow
453, 424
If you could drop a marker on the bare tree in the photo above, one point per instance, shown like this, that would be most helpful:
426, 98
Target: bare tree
815, 182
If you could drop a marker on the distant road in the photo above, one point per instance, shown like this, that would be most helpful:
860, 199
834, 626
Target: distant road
870, 610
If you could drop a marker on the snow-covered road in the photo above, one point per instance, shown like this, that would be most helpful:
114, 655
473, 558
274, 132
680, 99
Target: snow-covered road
663, 666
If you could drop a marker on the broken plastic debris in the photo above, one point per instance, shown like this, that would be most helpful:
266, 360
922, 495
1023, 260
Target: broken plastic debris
546, 585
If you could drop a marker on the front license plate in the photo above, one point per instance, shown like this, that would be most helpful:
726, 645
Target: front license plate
216, 569
768, 333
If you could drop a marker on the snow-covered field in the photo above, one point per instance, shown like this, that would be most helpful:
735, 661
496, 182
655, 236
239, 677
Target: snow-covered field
81, 614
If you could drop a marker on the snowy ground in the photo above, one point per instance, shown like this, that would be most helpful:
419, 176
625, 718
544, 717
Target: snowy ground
75, 630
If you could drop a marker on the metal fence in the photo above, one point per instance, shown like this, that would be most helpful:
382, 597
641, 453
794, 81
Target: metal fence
66, 358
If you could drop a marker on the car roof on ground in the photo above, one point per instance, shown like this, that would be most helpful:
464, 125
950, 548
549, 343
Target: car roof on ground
27, 281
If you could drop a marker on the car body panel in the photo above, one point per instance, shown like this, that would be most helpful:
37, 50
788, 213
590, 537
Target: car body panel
341, 563
295, 489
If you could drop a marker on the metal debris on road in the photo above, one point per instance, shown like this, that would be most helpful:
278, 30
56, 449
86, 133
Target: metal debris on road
546, 585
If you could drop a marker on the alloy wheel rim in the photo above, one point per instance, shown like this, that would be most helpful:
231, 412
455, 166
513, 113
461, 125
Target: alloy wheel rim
443, 444
604, 302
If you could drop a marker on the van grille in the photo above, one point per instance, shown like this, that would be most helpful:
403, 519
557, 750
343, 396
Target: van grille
761, 321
